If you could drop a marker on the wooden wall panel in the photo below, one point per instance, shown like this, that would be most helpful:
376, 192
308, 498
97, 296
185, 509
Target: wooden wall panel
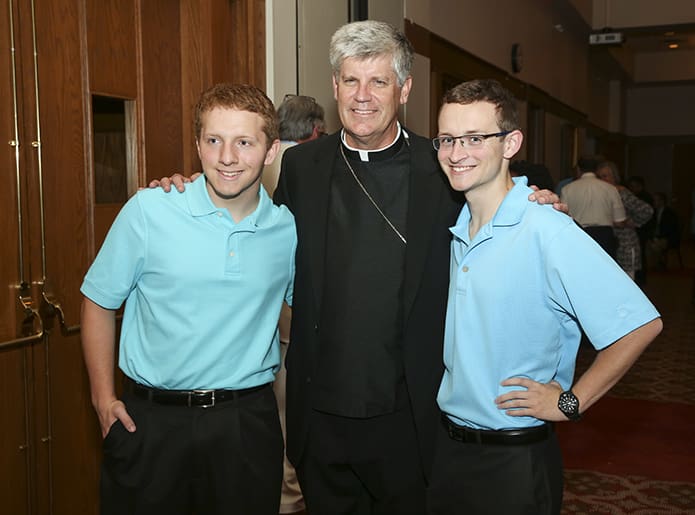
16, 445
221, 41
227, 26
64, 419
161, 78
124, 48
248, 44
14, 449
9, 252
111, 26
195, 72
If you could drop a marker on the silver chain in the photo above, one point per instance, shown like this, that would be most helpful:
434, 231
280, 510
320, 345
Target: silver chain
370, 197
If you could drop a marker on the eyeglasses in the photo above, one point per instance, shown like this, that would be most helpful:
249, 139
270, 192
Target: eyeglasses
289, 96
467, 140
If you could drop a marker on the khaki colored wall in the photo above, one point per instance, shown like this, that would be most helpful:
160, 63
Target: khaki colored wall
661, 111
639, 13
665, 66
556, 61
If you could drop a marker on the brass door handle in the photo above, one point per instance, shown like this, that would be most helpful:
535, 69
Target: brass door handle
32, 317
51, 308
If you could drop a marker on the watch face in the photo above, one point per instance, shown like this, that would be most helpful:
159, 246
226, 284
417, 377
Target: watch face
569, 405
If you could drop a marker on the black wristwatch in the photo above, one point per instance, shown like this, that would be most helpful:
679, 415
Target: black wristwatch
569, 405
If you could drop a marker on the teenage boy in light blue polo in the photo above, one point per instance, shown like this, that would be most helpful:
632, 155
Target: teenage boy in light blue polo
525, 280
203, 275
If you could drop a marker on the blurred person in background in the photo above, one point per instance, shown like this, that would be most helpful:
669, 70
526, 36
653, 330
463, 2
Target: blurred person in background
639, 212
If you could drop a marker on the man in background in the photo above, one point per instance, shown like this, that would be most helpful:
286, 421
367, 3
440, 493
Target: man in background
595, 204
301, 119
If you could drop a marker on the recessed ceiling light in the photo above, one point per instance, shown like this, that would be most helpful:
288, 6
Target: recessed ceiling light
673, 45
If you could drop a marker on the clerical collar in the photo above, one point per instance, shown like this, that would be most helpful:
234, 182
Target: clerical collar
380, 154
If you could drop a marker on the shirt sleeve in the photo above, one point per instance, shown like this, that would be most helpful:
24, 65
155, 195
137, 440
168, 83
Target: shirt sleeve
589, 286
120, 261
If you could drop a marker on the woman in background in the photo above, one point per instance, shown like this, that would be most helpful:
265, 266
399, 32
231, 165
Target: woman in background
638, 213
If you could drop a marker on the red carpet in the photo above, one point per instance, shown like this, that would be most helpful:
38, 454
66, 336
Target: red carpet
628, 437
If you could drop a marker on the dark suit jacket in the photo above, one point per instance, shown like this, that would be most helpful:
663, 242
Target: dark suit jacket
432, 208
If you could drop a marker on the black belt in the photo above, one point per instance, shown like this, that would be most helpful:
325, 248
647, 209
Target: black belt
189, 398
524, 436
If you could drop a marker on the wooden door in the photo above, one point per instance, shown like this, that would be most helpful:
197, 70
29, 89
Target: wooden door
154, 57
51, 441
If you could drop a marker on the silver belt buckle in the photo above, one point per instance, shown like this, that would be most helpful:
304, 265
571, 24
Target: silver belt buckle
198, 393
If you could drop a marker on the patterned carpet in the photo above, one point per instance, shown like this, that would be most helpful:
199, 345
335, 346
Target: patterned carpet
632, 453
595, 492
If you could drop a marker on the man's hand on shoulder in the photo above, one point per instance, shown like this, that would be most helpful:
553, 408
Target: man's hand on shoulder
177, 180
548, 197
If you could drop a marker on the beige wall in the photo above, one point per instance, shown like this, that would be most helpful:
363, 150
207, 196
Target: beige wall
661, 111
639, 13
554, 61
281, 49
665, 66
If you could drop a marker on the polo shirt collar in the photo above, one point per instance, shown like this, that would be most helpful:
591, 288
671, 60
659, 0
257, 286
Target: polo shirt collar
514, 204
509, 213
200, 204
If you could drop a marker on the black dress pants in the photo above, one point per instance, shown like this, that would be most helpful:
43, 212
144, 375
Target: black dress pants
605, 237
362, 466
225, 459
476, 479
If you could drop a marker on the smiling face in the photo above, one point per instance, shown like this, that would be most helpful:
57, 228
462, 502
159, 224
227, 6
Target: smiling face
368, 98
233, 149
483, 167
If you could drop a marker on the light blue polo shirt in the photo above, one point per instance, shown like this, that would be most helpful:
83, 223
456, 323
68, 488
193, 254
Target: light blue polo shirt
203, 293
517, 296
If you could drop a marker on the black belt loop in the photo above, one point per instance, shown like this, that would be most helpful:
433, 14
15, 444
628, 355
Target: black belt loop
188, 398
523, 436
